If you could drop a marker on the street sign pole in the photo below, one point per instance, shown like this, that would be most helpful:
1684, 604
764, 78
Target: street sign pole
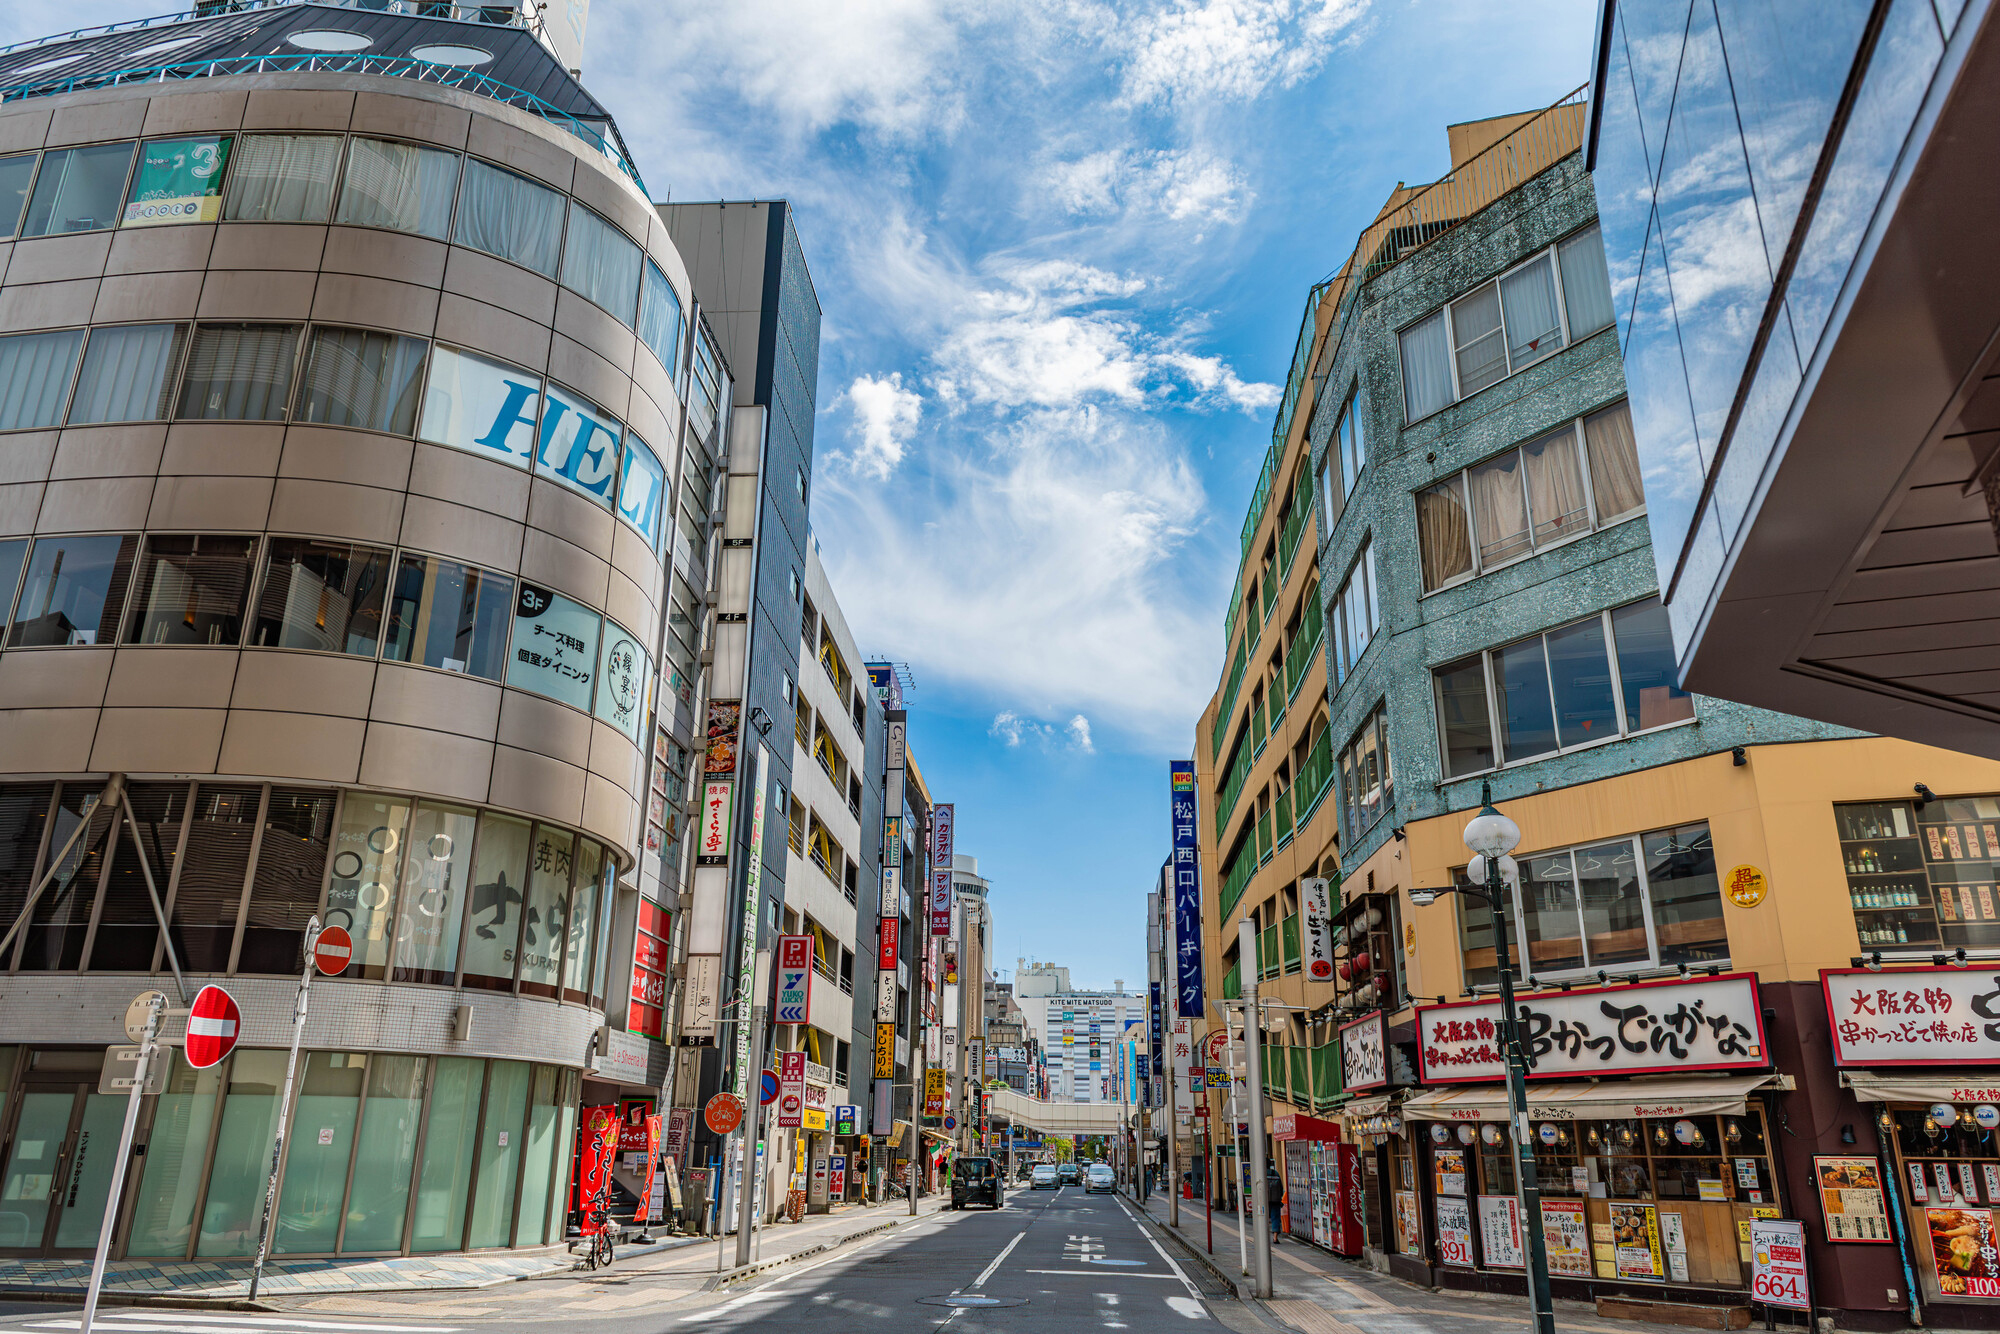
148, 1046
284, 1106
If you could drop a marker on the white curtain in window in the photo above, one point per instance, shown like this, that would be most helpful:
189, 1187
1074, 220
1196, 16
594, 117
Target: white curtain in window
601, 263
399, 186
505, 215
1586, 283
1555, 486
239, 372
34, 377
1614, 462
128, 373
1499, 515
1534, 328
1444, 535
659, 318
1426, 368
358, 378
1481, 343
282, 178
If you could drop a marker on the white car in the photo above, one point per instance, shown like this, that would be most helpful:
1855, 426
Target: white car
1045, 1175
1101, 1178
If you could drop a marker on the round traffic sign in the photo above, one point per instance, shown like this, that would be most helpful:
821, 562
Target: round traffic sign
767, 1089
332, 949
951, 1123
213, 1022
139, 1011
724, 1113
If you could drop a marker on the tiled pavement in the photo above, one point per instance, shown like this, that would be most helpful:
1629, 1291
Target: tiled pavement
1315, 1292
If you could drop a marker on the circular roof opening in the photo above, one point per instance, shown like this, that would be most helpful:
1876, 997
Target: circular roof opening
42, 65
450, 53
325, 39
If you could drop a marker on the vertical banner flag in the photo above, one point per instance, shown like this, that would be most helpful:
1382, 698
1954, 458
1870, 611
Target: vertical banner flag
1187, 894
1316, 903
753, 908
941, 869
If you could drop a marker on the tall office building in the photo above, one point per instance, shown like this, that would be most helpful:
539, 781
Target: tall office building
1076, 1029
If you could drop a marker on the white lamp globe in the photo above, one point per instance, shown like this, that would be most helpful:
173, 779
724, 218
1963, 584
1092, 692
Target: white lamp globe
1490, 833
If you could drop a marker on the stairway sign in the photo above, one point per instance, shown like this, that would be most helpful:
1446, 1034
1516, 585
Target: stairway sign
213, 1023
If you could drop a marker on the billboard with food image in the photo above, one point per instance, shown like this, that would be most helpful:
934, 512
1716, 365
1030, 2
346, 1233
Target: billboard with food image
1962, 1249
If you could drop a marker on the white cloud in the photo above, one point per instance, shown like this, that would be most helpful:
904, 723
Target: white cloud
1230, 50
1040, 571
1188, 185
885, 416
1051, 337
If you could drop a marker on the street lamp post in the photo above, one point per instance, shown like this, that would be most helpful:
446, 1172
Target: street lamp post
1491, 836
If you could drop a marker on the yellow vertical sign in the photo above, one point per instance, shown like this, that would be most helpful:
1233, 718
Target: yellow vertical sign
885, 1051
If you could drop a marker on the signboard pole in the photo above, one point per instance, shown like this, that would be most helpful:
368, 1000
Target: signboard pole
284, 1107
1260, 1205
121, 1165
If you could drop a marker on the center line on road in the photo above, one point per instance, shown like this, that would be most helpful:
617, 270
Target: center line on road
1008, 1250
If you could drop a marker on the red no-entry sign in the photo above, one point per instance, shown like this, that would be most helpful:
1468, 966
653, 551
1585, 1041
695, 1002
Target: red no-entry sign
213, 1022
332, 950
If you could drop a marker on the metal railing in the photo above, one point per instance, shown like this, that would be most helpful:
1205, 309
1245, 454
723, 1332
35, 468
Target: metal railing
491, 15
397, 67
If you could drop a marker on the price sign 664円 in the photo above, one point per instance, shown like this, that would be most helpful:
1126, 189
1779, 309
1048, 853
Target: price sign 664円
1778, 1268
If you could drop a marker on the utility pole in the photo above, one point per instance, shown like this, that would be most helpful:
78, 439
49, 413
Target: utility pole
1246, 954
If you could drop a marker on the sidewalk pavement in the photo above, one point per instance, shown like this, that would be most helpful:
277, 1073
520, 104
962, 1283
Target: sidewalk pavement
222, 1281
1316, 1292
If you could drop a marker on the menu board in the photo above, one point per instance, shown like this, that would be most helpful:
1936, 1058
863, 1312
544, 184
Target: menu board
1454, 1223
1635, 1230
1850, 1199
1566, 1237
1962, 1250
1408, 1240
1450, 1167
1500, 1231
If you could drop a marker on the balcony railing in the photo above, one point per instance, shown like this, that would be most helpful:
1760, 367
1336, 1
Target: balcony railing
1232, 983
397, 67
1289, 930
1295, 528
1315, 777
1283, 806
1235, 879
1265, 847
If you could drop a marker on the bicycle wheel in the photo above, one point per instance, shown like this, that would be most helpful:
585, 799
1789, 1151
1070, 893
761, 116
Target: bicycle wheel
600, 1250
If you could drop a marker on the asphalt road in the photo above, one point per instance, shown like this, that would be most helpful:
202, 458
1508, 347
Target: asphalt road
1049, 1262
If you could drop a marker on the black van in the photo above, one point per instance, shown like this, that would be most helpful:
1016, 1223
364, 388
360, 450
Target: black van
975, 1181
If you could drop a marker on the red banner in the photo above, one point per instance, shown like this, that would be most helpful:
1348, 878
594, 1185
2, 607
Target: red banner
596, 1148
647, 1010
887, 958
647, 1211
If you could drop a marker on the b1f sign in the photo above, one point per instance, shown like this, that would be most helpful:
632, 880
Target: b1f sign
795, 963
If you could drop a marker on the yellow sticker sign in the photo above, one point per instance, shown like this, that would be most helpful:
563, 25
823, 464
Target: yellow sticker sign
1746, 886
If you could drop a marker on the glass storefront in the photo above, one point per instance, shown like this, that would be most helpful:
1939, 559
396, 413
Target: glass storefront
364, 1173
432, 893
1663, 1200
1948, 1165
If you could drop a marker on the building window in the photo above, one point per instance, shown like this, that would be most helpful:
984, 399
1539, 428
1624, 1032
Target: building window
509, 216
1367, 782
1353, 447
178, 180
78, 189
325, 596
555, 646
282, 178
362, 379
450, 616
399, 186
1609, 675
601, 263
1355, 614
1923, 875
486, 407
74, 591
16, 174
642, 489
579, 444
191, 590
1646, 901
1506, 325
35, 372
240, 372
659, 317
1580, 477
128, 374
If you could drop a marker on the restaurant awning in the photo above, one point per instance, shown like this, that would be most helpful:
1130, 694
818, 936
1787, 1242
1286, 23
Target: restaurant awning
1612, 1101
1974, 1086
1366, 1107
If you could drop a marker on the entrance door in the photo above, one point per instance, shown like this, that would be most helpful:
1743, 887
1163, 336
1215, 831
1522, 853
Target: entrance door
60, 1153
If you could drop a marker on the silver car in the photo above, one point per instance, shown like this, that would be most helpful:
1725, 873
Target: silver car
1101, 1178
1045, 1175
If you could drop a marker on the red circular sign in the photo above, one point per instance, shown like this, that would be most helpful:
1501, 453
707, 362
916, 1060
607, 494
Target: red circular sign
724, 1113
331, 951
213, 1023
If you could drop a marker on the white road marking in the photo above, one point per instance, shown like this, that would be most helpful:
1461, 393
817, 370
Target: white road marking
1099, 1273
1192, 1291
1188, 1307
1008, 1250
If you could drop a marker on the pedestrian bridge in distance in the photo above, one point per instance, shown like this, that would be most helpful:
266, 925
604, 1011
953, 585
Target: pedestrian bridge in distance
1056, 1118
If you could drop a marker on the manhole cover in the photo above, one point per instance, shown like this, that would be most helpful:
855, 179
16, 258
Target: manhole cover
972, 1299
1100, 1260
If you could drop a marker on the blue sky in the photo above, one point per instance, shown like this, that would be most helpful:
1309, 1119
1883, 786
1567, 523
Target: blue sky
1062, 247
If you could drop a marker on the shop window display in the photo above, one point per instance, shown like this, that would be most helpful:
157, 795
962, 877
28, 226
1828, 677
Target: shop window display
1950, 1183
1923, 874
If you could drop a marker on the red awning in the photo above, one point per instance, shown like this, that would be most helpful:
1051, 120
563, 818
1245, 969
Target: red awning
1304, 1127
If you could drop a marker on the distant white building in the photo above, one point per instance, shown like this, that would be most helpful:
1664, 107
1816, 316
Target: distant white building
1078, 1029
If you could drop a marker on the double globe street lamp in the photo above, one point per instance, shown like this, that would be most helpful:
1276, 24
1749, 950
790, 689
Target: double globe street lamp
1491, 836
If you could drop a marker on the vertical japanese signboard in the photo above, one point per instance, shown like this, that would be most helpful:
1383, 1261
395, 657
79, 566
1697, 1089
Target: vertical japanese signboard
647, 1007
753, 908
1316, 905
1187, 896
795, 964
942, 825
715, 799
